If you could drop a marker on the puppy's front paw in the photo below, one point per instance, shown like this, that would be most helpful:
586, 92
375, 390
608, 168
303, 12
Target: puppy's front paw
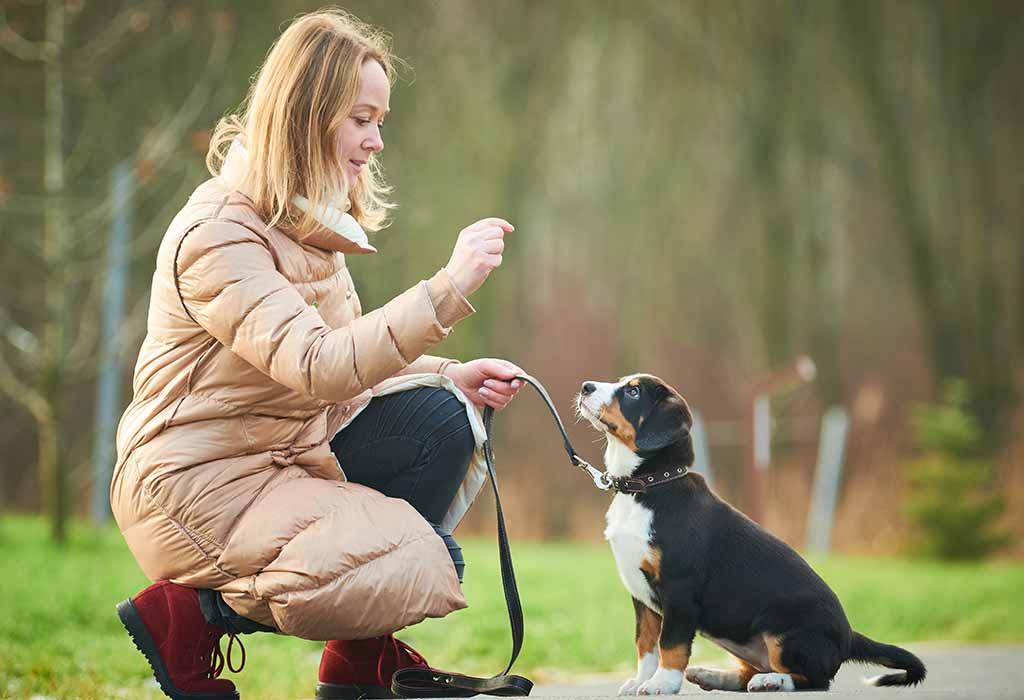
664, 682
629, 687
771, 682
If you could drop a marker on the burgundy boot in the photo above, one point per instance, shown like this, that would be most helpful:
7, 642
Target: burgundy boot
168, 627
362, 668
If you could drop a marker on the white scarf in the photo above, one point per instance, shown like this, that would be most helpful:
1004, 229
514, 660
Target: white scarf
332, 214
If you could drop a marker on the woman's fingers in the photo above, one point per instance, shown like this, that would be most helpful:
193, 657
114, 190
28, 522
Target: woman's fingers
494, 399
502, 369
512, 367
499, 387
489, 222
494, 246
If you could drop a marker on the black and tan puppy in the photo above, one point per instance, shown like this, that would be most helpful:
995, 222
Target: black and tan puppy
694, 564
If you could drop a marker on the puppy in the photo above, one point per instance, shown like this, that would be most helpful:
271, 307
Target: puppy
694, 564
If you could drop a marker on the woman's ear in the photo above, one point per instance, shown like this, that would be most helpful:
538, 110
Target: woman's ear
664, 425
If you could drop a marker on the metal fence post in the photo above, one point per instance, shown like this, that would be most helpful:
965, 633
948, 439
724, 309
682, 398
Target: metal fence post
825, 494
701, 454
108, 385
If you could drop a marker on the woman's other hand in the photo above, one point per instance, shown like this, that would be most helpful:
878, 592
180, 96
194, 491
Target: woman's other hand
485, 382
477, 251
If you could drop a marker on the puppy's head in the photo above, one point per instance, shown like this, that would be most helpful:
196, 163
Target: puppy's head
642, 412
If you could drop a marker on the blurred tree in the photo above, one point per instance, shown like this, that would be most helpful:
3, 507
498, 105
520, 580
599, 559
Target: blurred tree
935, 104
51, 346
699, 188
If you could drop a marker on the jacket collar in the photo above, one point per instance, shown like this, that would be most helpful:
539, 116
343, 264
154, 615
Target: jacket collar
339, 230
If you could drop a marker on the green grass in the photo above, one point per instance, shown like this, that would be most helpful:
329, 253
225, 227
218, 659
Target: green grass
60, 637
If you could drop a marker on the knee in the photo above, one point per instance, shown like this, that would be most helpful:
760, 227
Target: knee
452, 432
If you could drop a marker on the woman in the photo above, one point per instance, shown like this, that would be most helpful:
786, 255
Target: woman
257, 482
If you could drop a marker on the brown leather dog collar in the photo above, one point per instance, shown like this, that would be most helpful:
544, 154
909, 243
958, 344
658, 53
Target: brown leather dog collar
644, 482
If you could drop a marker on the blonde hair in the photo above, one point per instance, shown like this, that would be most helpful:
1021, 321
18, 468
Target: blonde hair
290, 120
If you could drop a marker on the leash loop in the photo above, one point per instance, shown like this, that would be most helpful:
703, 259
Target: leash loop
431, 683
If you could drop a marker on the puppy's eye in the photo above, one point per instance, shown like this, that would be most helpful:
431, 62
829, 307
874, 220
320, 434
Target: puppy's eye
633, 392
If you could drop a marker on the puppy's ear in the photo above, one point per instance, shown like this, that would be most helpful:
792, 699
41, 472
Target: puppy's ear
664, 425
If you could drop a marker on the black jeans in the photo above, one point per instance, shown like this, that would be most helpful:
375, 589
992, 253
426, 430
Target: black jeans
415, 445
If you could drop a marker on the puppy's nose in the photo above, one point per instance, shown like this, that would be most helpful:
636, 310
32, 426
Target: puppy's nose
588, 388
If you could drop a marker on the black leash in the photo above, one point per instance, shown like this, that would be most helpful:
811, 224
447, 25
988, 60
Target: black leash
432, 683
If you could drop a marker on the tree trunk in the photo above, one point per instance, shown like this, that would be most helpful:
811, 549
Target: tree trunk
51, 454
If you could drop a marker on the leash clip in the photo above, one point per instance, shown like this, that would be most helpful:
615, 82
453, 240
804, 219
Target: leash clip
601, 479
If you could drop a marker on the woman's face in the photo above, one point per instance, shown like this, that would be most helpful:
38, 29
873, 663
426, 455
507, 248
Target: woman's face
360, 133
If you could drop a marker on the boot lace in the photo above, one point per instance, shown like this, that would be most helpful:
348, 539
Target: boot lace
218, 658
396, 649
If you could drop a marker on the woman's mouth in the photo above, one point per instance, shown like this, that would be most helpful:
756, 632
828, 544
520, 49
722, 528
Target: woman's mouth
356, 165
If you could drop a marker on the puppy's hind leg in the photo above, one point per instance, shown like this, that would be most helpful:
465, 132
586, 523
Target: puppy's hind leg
648, 629
715, 679
790, 667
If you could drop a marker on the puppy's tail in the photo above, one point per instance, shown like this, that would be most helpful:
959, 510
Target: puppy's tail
912, 671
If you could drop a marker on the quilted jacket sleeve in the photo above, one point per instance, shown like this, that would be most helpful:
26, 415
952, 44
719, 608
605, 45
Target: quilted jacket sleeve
448, 302
228, 283
426, 364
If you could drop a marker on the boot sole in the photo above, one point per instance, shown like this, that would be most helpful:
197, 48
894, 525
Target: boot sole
333, 691
140, 636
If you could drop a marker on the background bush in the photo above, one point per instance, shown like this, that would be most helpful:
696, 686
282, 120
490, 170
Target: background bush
953, 501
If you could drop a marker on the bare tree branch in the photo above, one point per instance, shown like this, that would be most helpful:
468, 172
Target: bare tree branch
80, 356
21, 392
164, 141
20, 47
97, 218
117, 29
98, 111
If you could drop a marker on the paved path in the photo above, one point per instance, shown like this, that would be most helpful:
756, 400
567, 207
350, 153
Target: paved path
953, 672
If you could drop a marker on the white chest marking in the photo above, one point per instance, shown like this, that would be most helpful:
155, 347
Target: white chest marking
619, 460
629, 534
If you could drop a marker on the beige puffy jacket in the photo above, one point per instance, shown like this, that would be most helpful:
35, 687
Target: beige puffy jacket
256, 355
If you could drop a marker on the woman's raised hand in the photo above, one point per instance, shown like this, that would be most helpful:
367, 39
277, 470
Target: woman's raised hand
477, 251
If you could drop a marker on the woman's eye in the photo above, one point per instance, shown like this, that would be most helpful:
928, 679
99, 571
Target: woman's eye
361, 121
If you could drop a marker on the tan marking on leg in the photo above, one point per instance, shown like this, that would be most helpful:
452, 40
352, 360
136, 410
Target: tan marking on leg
745, 672
648, 630
651, 565
774, 646
675, 658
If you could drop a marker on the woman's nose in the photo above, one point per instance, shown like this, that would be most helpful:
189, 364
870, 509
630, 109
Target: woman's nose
374, 143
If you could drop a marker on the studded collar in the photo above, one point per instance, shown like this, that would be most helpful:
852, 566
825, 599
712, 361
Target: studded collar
645, 482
